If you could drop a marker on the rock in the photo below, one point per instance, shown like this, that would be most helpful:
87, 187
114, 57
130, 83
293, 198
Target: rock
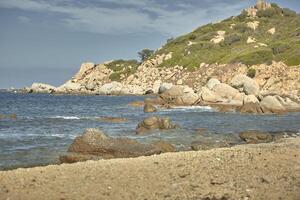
174, 91
248, 85
163, 87
251, 40
250, 99
11, 116
113, 88
189, 99
212, 83
42, 88
209, 96
149, 92
137, 104
70, 87
251, 108
94, 142
152, 123
149, 108
156, 86
112, 119
253, 25
272, 31
207, 145
164, 146
271, 104
179, 82
219, 37
254, 137
225, 91
84, 68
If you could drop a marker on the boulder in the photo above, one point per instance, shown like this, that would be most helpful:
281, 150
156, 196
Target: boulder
251, 108
189, 98
149, 92
209, 96
254, 137
84, 69
152, 123
113, 88
212, 83
156, 86
70, 87
164, 146
270, 104
174, 91
149, 108
42, 88
250, 99
248, 85
163, 87
225, 91
94, 142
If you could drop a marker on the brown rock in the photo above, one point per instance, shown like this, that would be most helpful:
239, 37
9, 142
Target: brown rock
149, 108
164, 146
254, 137
152, 123
96, 143
112, 119
137, 104
253, 108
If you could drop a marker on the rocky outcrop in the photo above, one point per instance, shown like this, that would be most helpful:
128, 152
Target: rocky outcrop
94, 144
277, 104
41, 88
245, 84
212, 83
154, 123
225, 91
254, 137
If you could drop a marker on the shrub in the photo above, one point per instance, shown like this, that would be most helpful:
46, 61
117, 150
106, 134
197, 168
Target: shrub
116, 76
269, 13
230, 39
192, 37
288, 13
242, 28
145, 54
242, 16
251, 72
255, 57
274, 5
279, 48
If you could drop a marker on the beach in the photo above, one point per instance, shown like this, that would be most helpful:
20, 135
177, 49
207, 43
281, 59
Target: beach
260, 171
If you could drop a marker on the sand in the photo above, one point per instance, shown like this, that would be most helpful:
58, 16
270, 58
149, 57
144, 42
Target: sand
263, 171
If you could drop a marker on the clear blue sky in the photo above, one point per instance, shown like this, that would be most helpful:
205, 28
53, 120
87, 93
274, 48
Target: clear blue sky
47, 40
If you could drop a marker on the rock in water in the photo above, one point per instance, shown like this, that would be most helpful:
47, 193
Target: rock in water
225, 91
271, 104
251, 108
152, 123
94, 144
149, 108
42, 88
254, 137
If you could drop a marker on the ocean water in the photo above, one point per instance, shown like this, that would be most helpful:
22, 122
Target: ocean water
47, 124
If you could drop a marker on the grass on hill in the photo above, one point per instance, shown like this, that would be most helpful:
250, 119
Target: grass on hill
122, 67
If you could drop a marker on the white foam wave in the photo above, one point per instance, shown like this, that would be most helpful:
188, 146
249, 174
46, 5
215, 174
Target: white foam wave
65, 117
189, 108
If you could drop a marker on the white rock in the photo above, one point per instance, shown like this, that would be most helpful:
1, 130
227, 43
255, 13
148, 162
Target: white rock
212, 83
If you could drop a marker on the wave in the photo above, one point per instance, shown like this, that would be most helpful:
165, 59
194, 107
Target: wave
190, 108
65, 117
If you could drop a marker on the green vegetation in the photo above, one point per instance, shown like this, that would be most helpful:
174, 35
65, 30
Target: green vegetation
283, 46
251, 72
122, 67
145, 54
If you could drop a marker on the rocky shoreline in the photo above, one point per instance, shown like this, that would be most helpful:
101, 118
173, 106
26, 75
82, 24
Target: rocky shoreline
260, 171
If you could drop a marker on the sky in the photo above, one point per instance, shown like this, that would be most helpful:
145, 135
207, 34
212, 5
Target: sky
47, 40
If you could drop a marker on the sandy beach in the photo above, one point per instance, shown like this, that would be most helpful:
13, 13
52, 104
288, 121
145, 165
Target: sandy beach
262, 171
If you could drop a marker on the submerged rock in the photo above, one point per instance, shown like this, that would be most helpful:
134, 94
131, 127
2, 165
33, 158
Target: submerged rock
254, 137
42, 88
10, 116
94, 144
149, 108
112, 119
152, 123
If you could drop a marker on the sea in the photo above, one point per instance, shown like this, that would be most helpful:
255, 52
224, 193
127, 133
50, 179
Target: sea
47, 124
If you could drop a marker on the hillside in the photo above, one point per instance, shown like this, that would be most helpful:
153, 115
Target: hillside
262, 42
273, 34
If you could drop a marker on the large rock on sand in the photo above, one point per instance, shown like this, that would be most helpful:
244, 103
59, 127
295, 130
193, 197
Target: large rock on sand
152, 123
42, 88
246, 84
94, 144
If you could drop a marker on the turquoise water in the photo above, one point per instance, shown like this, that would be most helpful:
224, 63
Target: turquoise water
47, 124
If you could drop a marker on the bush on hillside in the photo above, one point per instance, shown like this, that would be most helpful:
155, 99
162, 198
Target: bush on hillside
288, 13
255, 57
145, 54
279, 48
116, 76
269, 13
251, 72
233, 38
192, 37
242, 16
274, 5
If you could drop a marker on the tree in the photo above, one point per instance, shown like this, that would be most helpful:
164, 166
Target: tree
145, 54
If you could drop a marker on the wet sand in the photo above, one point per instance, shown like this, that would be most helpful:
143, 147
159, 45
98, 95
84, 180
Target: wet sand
263, 171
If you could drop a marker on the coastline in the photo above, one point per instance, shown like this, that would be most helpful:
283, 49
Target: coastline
261, 171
